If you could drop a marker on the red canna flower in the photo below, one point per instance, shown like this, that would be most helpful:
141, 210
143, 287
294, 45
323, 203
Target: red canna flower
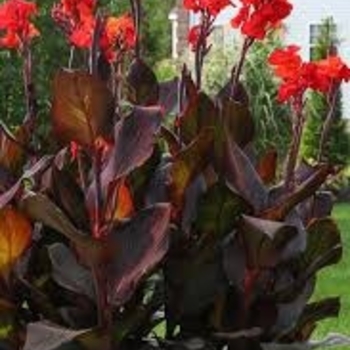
257, 17
15, 17
193, 37
286, 61
120, 33
76, 19
212, 7
334, 68
298, 76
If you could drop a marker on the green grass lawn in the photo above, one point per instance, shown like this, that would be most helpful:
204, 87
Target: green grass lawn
335, 280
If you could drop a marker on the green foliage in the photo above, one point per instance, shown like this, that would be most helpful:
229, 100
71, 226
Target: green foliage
272, 120
166, 69
339, 140
49, 51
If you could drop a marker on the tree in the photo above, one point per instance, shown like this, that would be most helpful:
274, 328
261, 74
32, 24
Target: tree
272, 119
339, 142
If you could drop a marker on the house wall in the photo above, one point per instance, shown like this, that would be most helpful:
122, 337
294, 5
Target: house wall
307, 12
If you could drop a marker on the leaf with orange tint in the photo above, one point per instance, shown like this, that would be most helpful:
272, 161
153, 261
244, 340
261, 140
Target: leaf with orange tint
11, 151
189, 163
15, 236
82, 107
267, 166
120, 201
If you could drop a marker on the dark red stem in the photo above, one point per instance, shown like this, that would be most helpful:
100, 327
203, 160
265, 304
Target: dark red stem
327, 125
29, 92
298, 127
237, 70
136, 12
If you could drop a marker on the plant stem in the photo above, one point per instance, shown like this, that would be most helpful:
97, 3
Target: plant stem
29, 89
326, 127
298, 126
118, 85
136, 12
71, 57
95, 47
99, 198
104, 314
201, 49
237, 70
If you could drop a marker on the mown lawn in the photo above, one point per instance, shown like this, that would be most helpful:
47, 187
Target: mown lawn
335, 280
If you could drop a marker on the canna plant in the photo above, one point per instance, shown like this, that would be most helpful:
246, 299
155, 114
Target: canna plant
125, 229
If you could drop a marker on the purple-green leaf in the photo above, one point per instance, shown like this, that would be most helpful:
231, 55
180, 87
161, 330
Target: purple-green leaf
140, 244
134, 139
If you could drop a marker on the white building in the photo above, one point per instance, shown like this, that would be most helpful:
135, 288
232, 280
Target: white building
302, 29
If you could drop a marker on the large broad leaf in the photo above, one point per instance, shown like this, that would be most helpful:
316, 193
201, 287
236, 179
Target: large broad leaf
67, 194
194, 281
140, 244
169, 95
313, 313
134, 139
323, 245
242, 177
200, 112
267, 166
68, 273
142, 84
237, 120
12, 147
189, 163
318, 206
157, 189
289, 313
82, 107
323, 249
6, 179
218, 210
234, 261
38, 168
15, 237
40, 208
47, 336
279, 210
226, 93
191, 198
264, 241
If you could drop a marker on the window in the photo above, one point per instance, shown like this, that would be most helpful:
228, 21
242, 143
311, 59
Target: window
326, 31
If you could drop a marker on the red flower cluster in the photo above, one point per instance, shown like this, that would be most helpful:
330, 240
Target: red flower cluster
193, 37
209, 10
212, 7
15, 16
257, 17
118, 32
77, 19
298, 76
